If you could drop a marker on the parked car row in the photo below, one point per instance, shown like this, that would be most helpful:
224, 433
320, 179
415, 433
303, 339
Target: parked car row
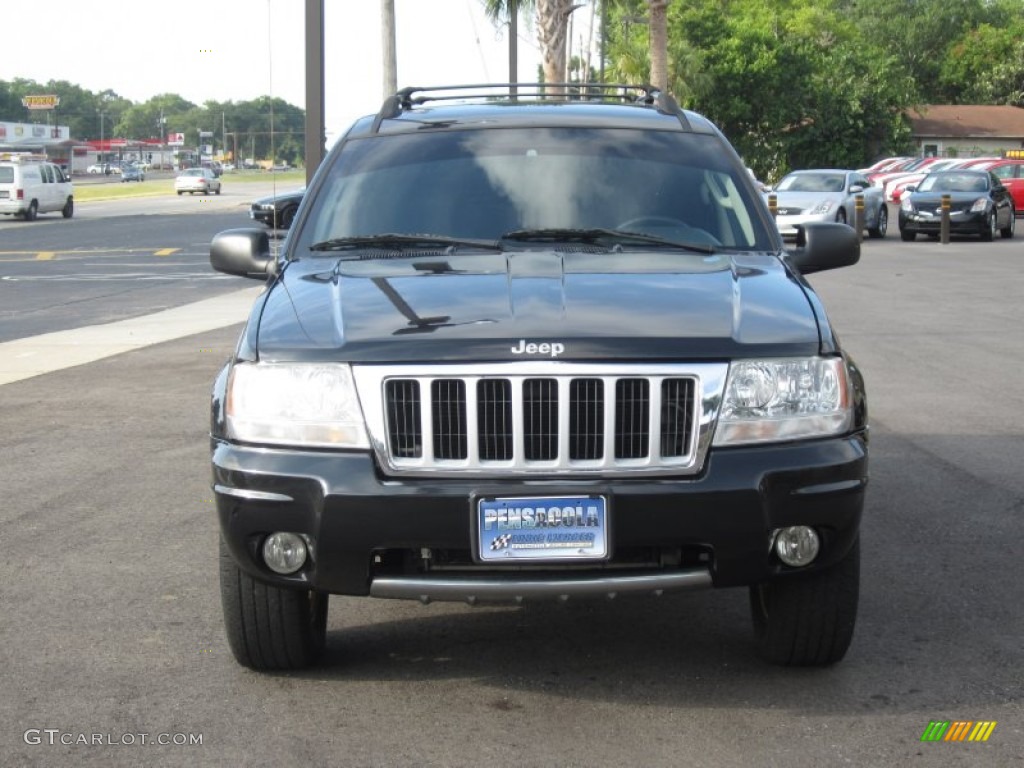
894, 175
986, 196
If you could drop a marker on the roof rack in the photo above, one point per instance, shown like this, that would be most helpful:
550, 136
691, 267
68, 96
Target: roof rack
408, 98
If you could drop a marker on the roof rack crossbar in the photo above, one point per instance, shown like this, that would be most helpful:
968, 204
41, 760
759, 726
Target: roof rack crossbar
414, 96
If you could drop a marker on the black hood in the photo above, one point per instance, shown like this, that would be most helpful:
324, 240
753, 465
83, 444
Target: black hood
539, 304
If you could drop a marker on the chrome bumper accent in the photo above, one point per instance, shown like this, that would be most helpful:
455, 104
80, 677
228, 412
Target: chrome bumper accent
472, 590
250, 495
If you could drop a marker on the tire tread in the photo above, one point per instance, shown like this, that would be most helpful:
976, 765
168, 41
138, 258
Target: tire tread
810, 620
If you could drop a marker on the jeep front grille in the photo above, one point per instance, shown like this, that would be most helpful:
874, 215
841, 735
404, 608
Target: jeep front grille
539, 418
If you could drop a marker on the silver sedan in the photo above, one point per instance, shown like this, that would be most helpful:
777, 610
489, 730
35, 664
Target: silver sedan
828, 194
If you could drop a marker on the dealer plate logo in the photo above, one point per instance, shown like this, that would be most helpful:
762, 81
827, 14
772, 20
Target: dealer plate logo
544, 528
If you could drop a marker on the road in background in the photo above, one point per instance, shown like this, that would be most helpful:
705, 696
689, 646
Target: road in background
116, 259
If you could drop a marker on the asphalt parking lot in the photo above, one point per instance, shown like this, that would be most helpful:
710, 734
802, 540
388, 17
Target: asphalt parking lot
112, 629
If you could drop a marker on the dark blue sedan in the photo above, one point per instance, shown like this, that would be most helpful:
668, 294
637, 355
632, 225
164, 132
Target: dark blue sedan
979, 205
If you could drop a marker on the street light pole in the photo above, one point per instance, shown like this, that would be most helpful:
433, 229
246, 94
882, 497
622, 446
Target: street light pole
102, 115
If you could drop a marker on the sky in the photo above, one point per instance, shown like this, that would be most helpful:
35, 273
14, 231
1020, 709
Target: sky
237, 50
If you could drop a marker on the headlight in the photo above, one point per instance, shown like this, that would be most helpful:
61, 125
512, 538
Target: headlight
789, 399
295, 404
905, 203
980, 205
823, 207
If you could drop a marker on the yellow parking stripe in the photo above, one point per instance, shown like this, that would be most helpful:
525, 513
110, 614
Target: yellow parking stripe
9, 256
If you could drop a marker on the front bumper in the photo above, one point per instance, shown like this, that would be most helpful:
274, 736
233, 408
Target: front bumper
262, 215
373, 535
962, 222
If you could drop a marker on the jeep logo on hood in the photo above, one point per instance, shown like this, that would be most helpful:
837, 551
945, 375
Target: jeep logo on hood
529, 348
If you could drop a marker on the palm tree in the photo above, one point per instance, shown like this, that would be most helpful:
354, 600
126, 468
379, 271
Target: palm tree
552, 27
657, 21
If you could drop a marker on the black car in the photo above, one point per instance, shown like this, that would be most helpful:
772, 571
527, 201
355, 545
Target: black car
530, 346
277, 211
979, 204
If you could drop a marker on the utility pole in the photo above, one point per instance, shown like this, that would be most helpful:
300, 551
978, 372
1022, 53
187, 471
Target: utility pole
513, 46
387, 18
315, 129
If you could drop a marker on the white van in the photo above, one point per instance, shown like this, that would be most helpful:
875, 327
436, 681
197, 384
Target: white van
30, 185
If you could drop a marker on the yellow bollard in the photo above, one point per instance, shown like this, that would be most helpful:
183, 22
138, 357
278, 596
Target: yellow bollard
858, 208
773, 204
944, 221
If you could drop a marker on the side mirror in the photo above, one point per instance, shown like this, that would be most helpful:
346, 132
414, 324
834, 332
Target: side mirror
856, 189
243, 252
824, 245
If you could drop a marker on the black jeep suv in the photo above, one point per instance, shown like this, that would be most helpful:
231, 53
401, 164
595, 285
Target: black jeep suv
521, 345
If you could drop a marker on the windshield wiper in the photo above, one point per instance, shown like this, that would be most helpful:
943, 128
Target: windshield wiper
401, 242
600, 237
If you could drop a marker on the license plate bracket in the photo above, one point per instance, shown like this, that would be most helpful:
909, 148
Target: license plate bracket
542, 528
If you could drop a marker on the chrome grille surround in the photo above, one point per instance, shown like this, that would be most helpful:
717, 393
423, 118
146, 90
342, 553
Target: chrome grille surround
592, 438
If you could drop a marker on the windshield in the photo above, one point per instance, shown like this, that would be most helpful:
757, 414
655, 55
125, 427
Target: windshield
813, 182
484, 184
954, 182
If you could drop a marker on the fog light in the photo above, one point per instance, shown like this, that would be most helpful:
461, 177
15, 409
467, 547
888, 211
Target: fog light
284, 553
797, 545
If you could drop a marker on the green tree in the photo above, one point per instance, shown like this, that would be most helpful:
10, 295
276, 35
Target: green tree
918, 34
986, 65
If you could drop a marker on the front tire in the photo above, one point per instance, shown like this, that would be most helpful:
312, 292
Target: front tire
882, 224
69, 209
32, 211
1007, 231
907, 235
988, 234
807, 621
269, 627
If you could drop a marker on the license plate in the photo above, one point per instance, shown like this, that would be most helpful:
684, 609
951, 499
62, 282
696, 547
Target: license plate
542, 528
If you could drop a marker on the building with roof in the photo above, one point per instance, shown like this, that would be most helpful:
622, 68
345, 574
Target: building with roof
966, 130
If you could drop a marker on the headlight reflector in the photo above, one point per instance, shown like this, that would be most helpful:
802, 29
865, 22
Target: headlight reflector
311, 405
784, 399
